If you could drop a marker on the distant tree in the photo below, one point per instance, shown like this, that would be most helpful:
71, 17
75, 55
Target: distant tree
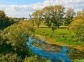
53, 15
78, 20
4, 20
69, 15
37, 17
2, 14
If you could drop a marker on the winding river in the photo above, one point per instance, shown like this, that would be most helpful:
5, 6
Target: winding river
53, 56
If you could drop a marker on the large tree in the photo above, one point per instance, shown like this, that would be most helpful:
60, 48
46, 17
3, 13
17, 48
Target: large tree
53, 15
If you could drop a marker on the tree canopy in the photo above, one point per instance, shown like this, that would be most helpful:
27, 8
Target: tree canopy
54, 16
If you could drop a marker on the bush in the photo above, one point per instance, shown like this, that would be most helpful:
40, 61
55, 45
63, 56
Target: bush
14, 38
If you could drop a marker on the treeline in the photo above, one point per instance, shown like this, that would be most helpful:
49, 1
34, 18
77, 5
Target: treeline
53, 16
6, 21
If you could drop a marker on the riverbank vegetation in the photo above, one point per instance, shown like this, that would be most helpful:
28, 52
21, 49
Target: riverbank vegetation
52, 24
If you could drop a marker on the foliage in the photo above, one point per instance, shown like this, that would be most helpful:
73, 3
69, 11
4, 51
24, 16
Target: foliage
14, 38
69, 16
2, 14
16, 34
77, 21
37, 17
78, 26
36, 59
4, 20
53, 16
9, 57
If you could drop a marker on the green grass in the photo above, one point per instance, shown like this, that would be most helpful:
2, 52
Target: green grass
60, 35
78, 60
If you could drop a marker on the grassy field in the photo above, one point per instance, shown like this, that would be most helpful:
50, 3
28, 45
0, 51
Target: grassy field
59, 35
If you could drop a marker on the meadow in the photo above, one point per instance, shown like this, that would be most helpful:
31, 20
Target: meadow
60, 35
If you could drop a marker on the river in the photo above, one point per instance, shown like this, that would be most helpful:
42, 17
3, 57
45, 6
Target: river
53, 56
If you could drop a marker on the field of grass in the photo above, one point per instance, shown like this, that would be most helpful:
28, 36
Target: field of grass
60, 35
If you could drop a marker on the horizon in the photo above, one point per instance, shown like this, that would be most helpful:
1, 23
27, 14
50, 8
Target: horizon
22, 8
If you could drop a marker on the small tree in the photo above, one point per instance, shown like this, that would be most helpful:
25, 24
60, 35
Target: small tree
37, 17
69, 15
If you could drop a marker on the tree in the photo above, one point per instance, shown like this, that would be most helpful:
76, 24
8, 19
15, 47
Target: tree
2, 14
4, 20
69, 15
78, 20
37, 17
53, 15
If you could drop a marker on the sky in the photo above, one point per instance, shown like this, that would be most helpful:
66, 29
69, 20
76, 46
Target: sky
22, 8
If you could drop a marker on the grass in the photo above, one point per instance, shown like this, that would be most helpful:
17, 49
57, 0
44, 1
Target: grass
60, 35
78, 60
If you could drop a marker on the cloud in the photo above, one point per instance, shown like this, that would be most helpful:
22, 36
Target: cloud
17, 10
24, 10
76, 4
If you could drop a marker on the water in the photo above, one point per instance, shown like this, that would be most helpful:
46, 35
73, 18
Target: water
53, 56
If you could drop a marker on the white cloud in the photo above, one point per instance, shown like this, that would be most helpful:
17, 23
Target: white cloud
76, 4
17, 10
25, 10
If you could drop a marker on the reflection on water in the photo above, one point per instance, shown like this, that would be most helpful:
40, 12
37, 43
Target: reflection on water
54, 56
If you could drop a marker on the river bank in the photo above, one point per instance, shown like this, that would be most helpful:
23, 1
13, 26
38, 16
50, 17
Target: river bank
53, 41
78, 49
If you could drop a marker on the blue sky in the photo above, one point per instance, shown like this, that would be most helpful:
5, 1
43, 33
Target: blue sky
20, 2
22, 8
